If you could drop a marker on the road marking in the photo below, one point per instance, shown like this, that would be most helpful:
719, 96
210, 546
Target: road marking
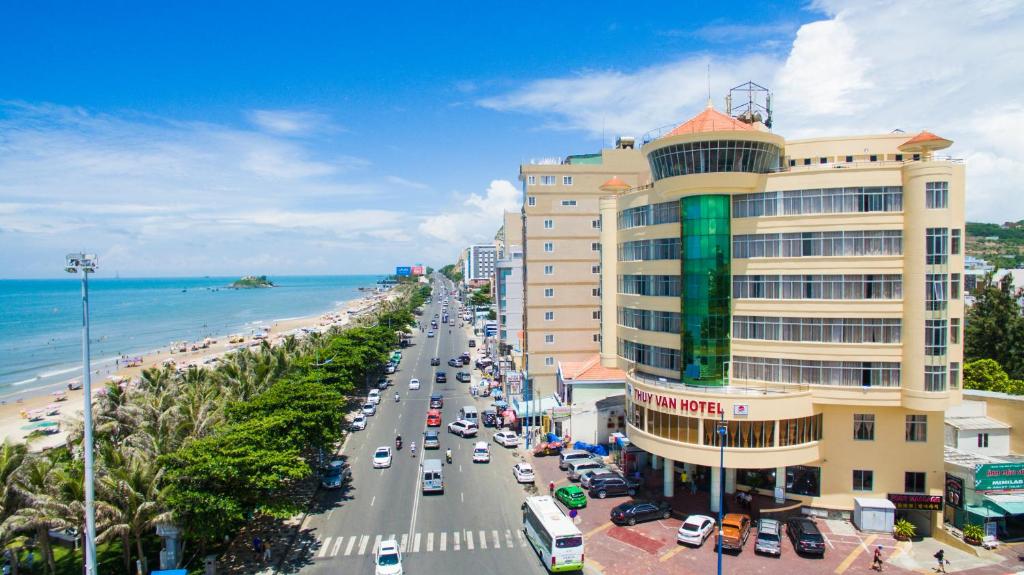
462, 497
323, 547
337, 546
362, 543
351, 544
444, 541
430, 542
497, 542
329, 513
483, 539
460, 468
522, 538
854, 554
392, 537
376, 544
827, 541
671, 553
469, 540
405, 541
508, 538
372, 500
455, 545
597, 530
416, 543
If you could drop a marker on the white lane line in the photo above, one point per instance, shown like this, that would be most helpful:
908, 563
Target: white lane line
462, 497
329, 513
416, 543
373, 500
522, 539
362, 544
460, 468
405, 541
323, 547
392, 537
508, 538
444, 541
351, 544
455, 545
376, 544
430, 542
483, 539
337, 546
494, 537
469, 540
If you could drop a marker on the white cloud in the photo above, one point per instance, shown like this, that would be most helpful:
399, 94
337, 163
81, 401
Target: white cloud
478, 218
950, 67
290, 122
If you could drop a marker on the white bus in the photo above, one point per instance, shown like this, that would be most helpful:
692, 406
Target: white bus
554, 536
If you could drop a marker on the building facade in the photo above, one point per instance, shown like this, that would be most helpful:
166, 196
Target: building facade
799, 302
562, 256
478, 265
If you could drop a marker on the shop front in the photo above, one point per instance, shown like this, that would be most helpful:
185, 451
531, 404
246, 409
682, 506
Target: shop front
985, 491
917, 508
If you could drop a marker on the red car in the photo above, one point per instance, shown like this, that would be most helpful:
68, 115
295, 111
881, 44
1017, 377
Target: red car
434, 418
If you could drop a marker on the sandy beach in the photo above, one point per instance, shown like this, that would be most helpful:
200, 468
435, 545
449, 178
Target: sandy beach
15, 425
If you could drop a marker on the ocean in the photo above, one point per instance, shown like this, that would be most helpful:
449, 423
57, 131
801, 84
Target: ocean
41, 320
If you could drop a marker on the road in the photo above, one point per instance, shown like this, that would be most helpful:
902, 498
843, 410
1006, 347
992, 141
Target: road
475, 527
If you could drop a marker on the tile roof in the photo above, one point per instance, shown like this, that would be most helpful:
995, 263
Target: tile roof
590, 370
615, 185
925, 141
710, 120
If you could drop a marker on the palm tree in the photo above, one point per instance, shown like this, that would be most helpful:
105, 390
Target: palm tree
132, 490
33, 487
12, 456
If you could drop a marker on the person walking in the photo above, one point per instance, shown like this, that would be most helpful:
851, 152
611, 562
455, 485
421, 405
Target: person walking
551, 488
257, 547
940, 555
876, 562
266, 552
683, 477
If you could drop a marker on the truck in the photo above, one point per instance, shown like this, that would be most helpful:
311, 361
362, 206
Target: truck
734, 531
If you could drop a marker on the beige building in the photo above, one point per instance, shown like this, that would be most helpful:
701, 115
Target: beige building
562, 257
798, 300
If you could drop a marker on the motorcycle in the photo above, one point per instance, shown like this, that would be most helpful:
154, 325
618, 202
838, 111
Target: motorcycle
448, 456
396, 398
398, 444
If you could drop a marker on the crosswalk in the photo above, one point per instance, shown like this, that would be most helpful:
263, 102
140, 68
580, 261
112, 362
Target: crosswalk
430, 542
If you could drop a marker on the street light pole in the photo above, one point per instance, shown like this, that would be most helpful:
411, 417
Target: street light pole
86, 263
722, 429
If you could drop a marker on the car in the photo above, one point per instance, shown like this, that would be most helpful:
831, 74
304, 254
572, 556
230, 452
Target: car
489, 417
358, 422
414, 383
769, 537
506, 438
335, 474
465, 358
604, 486
387, 559
436, 401
805, 536
570, 455
572, 496
462, 428
695, 530
382, 457
435, 361
734, 531
369, 409
576, 468
434, 418
638, 511
373, 396
587, 476
383, 384
440, 377
463, 377
390, 367
481, 453
430, 333
523, 472
453, 362
431, 440
472, 343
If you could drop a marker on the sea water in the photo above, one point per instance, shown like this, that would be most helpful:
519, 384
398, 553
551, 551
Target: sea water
41, 320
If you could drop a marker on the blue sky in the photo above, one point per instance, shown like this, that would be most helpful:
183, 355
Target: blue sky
229, 138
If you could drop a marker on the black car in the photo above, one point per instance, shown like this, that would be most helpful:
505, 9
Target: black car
639, 511
463, 376
435, 361
806, 537
440, 377
455, 362
472, 343
604, 486
489, 418
465, 358
436, 401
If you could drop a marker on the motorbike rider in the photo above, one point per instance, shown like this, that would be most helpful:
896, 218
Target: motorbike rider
448, 454
412, 448
396, 397
398, 441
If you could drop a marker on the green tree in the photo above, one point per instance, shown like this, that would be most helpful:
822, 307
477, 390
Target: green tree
995, 329
985, 375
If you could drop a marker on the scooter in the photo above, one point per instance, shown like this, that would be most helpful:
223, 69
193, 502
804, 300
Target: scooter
448, 456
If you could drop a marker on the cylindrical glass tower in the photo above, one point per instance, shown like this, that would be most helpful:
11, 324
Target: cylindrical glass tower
706, 283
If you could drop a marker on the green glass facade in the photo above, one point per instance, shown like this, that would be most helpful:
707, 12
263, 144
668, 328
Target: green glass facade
706, 243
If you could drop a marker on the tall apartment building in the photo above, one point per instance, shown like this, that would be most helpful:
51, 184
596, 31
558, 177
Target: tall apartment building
508, 281
479, 264
561, 248
800, 301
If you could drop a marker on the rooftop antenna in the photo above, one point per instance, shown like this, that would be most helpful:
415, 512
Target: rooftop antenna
708, 77
750, 103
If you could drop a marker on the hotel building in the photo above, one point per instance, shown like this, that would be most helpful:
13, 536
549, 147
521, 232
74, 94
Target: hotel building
562, 255
799, 301
479, 264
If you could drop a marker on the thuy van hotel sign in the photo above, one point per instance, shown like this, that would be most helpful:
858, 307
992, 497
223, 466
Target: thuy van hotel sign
666, 402
999, 477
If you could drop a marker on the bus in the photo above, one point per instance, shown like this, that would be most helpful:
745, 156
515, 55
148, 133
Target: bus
553, 535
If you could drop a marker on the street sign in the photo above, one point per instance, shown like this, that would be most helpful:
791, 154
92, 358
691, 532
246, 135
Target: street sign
999, 477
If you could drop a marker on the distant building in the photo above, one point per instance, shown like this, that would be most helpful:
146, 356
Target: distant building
478, 264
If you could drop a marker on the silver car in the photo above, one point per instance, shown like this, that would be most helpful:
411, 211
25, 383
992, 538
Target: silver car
769, 537
590, 474
578, 467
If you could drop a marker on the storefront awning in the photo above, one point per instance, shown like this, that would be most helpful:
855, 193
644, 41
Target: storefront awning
1010, 504
982, 511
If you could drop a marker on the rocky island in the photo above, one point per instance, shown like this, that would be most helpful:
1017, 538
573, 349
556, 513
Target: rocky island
252, 282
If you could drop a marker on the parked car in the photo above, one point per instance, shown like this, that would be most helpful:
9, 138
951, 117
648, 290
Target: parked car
578, 467
604, 486
462, 428
481, 452
570, 455
587, 476
414, 383
431, 440
769, 537
373, 397
464, 377
440, 377
436, 401
435, 361
639, 511
695, 529
358, 422
369, 409
382, 457
806, 537
523, 472
453, 362
572, 496
390, 367
735, 531
335, 474
383, 383
506, 438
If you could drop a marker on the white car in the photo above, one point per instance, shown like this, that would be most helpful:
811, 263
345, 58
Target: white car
388, 558
373, 397
359, 422
481, 453
430, 333
382, 457
369, 409
695, 530
523, 472
506, 438
414, 383
462, 428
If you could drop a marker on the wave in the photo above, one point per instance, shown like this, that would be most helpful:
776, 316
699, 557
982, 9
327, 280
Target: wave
58, 372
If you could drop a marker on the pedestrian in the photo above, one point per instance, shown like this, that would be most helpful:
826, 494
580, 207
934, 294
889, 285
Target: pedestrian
683, 477
551, 488
876, 562
266, 552
693, 487
940, 555
257, 546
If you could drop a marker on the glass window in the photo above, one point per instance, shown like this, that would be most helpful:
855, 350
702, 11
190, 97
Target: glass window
917, 428
935, 337
935, 291
549, 361
954, 330
914, 482
549, 315
569, 203
954, 375
549, 224
531, 200
803, 480
819, 201
595, 246
863, 480
936, 245
813, 372
935, 378
595, 224
849, 159
549, 247
936, 195
816, 244
954, 286
982, 440
595, 269
566, 180
549, 292
864, 426
547, 180
531, 180
549, 338
549, 270
954, 247
716, 156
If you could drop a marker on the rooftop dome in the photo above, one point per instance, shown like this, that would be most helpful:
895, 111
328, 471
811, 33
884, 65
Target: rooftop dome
615, 185
710, 120
925, 142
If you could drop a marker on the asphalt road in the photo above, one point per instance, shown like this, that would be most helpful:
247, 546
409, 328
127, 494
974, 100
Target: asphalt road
474, 527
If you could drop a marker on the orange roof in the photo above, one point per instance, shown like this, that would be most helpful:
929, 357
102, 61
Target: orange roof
710, 120
925, 141
590, 370
615, 185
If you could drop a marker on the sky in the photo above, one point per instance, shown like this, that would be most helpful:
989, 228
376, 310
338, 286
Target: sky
227, 138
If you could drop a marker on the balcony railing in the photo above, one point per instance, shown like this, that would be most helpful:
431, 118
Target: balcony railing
733, 388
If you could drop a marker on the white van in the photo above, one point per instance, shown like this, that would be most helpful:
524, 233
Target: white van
481, 452
469, 414
432, 476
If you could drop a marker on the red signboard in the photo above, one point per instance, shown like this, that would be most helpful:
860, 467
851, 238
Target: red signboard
916, 501
417, 270
675, 403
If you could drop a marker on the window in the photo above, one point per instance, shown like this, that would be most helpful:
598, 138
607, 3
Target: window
549, 361
863, 480
549, 247
936, 195
708, 156
917, 428
595, 246
935, 337
849, 159
917, 157
531, 200
823, 160
899, 157
826, 287
660, 357
935, 378
799, 430
596, 224
549, 224
656, 249
596, 314
935, 292
595, 269
549, 338
807, 161
954, 247
549, 270
873, 158
531, 180
816, 244
597, 337
813, 372
792, 163
864, 426
547, 180
549, 292
818, 201
954, 286
650, 285
936, 245
596, 292
817, 330
566, 180
954, 330
549, 316
914, 482
982, 440
954, 375
569, 203
806, 480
